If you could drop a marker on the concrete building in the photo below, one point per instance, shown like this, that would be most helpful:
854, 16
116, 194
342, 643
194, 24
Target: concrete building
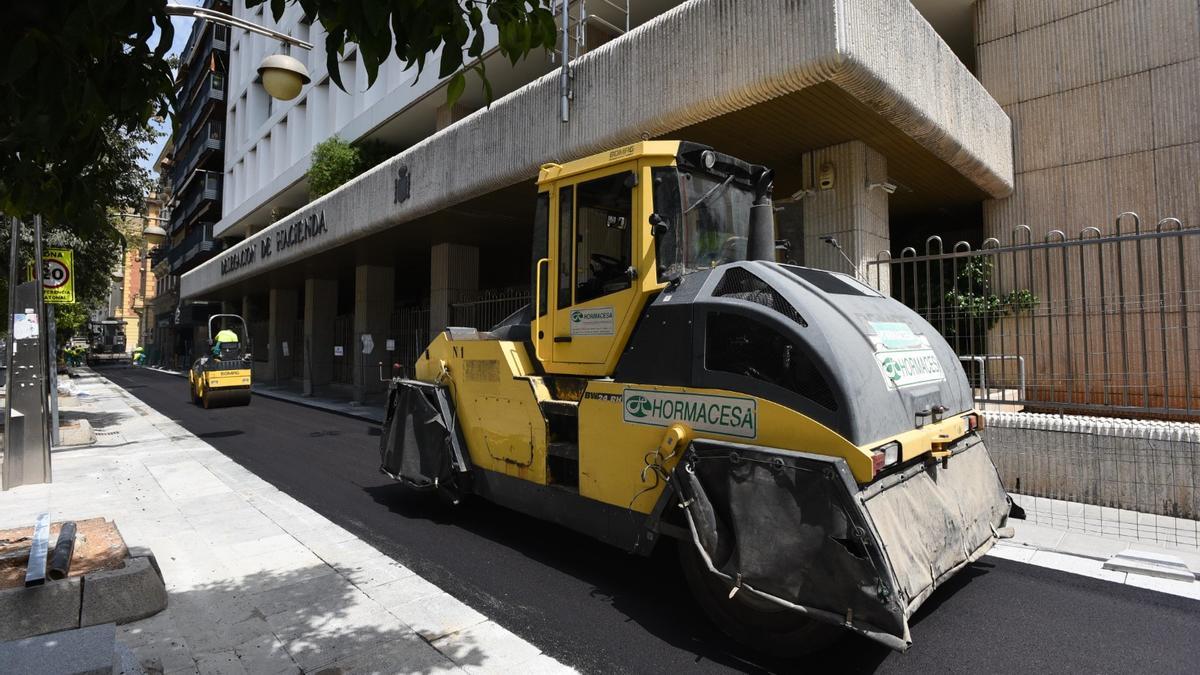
193, 172
134, 283
843, 99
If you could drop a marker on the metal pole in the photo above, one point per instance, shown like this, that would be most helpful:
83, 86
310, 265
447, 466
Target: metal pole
52, 341
11, 448
43, 371
564, 78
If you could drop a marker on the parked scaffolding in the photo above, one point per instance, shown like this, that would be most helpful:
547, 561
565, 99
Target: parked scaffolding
1099, 323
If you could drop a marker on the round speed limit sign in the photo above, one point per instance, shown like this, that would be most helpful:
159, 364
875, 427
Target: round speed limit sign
55, 274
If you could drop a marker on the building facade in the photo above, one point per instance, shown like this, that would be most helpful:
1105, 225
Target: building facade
887, 122
197, 151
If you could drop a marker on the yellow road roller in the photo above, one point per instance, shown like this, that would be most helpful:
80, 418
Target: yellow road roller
223, 376
809, 443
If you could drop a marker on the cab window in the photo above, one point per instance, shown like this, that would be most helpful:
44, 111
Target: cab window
566, 206
541, 239
603, 236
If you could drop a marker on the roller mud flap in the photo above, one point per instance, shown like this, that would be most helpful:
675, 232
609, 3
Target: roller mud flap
797, 530
421, 444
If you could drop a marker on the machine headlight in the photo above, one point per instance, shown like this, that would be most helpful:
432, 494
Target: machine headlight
885, 456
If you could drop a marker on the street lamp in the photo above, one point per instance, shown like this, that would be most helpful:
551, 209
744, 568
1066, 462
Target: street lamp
153, 233
282, 76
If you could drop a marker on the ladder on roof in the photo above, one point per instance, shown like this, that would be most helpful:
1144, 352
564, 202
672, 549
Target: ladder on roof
575, 18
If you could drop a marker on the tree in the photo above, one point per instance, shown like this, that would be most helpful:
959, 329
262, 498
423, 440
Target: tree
72, 73
100, 234
414, 29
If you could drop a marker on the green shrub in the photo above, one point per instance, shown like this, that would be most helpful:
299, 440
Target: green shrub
334, 162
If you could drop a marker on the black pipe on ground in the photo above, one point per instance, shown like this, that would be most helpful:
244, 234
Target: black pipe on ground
60, 559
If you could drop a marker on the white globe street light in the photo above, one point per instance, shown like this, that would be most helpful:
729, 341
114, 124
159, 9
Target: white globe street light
283, 76
154, 234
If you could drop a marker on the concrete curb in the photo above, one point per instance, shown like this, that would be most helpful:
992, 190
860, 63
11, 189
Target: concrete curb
119, 596
133, 592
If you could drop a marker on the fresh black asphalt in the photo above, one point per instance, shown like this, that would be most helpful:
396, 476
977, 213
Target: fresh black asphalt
601, 610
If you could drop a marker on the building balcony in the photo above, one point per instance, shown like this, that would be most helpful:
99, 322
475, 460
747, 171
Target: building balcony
205, 39
195, 248
157, 254
212, 90
201, 189
210, 139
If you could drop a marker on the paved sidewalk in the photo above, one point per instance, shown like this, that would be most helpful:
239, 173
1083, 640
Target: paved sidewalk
1085, 554
258, 582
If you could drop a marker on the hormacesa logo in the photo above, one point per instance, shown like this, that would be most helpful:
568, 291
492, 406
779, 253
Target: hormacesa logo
892, 368
730, 415
638, 406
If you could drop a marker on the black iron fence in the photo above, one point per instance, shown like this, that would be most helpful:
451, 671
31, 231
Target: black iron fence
489, 308
1101, 323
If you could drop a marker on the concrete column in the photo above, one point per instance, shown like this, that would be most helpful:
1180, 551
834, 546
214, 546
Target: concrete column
283, 310
453, 277
449, 114
843, 204
374, 301
320, 309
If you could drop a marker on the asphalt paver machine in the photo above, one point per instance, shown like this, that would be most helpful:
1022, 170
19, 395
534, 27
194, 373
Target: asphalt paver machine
223, 376
809, 443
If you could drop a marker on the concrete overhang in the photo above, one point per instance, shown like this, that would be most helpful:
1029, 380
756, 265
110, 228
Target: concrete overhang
764, 80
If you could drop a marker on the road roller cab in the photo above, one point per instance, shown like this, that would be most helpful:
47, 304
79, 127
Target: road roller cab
223, 375
810, 443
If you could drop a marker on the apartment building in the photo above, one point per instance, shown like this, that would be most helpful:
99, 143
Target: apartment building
194, 174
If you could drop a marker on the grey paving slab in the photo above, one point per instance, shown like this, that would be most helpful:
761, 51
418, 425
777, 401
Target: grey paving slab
87, 651
256, 581
486, 647
437, 616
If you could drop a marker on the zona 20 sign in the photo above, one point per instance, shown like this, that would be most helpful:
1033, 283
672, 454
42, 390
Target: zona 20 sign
58, 275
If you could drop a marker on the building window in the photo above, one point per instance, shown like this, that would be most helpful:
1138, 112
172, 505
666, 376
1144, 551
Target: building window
218, 82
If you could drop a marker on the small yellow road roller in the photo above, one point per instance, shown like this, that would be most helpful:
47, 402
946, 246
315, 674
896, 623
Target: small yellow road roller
223, 376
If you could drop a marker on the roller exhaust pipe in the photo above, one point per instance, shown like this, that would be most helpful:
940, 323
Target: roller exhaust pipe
760, 244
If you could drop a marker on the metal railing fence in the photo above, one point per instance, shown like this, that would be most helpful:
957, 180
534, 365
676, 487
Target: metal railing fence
491, 307
410, 331
1102, 323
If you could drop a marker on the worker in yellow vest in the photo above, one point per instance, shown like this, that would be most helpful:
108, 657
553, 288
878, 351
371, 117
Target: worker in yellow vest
224, 335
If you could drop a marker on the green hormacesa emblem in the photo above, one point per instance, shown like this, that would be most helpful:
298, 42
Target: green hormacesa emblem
892, 368
638, 406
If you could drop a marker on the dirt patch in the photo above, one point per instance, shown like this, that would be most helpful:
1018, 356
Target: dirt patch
98, 546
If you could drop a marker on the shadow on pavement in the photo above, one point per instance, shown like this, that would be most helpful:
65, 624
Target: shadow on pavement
266, 620
649, 591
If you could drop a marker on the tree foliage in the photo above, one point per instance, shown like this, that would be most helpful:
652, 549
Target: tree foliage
334, 161
74, 76
414, 29
973, 307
